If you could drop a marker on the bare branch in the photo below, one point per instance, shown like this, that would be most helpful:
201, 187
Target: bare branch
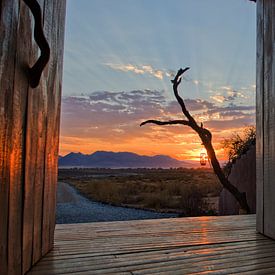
176, 81
206, 138
170, 122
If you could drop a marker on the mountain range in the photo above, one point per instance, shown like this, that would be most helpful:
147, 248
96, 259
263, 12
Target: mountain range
103, 159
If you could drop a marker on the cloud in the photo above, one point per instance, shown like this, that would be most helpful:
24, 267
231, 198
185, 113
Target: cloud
125, 68
158, 73
219, 98
236, 123
108, 111
141, 69
110, 120
226, 88
192, 105
171, 73
230, 95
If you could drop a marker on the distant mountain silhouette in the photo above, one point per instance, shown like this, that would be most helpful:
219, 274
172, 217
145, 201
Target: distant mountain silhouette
103, 159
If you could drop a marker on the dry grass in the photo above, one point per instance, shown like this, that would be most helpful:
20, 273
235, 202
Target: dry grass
186, 191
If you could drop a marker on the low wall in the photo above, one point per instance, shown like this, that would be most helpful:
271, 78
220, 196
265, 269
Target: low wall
243, 176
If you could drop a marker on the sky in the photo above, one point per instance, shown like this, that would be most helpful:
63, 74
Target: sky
120, 56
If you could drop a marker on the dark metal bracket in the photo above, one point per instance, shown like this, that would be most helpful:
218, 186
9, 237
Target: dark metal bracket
36, 70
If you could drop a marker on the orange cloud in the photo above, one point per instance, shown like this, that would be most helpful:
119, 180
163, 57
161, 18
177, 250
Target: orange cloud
110, 121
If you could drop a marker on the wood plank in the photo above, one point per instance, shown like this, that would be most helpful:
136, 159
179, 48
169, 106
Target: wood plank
252, 267
133, 263
17, 141
157, 255
36, 141
260, 115
269, 117
25, 116
54, 30
214, 245
31, 143
40, 180
8, 23
266, 269
48, 73
58, 34
35, 144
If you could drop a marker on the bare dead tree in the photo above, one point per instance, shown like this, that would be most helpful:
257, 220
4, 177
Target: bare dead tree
206, 138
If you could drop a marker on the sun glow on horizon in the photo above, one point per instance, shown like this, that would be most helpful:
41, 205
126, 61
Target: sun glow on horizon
189, 152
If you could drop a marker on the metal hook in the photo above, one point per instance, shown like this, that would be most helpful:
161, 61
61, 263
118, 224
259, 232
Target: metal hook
36, 70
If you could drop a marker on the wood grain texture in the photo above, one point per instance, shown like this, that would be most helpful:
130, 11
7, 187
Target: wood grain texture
59, 8
266, 117
259, 117
29, 156
269, 118
29, 129
8, 29
42, 136
54, 30
215, 245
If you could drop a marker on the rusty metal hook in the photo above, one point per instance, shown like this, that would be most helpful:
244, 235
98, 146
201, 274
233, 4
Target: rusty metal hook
36, 70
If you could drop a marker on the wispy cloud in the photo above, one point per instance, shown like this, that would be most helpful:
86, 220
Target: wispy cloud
150, 70
229, 96
141, 69
226, 88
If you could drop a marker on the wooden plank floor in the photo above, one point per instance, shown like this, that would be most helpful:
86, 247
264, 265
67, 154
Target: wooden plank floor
204, 245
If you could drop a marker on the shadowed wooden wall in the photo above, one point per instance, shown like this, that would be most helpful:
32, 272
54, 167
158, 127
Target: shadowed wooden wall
266, 117
243, 176
29, 132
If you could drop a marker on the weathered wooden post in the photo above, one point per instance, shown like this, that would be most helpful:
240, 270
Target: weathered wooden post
266, 117
29, 130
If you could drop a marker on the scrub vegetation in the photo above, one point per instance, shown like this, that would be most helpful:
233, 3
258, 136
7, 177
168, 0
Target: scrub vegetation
189, 192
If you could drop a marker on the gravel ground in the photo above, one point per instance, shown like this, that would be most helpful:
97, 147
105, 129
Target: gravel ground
74, 208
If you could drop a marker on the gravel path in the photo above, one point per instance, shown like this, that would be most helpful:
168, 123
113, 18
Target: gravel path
74, 208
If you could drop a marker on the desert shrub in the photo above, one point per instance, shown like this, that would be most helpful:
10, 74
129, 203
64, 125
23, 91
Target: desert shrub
192, 201
237, 145
174, 190
156, 200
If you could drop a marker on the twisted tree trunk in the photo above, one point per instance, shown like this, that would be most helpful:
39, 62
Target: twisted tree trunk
206, 138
